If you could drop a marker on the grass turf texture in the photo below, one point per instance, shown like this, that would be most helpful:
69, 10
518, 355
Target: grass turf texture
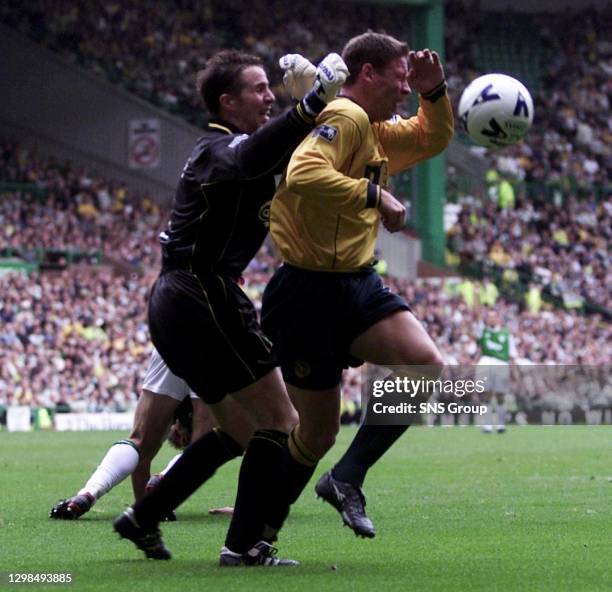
454, 509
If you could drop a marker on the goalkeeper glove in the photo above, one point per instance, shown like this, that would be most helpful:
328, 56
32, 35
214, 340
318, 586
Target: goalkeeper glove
299, 74
330, 76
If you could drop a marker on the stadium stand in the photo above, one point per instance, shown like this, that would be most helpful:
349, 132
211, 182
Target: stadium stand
76, 336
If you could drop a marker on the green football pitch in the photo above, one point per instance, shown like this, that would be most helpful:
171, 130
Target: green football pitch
455, 509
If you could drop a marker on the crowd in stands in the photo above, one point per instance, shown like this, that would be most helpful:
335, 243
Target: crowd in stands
568, 147
74, 210
75, 338
154, 49
563, 248
79, 336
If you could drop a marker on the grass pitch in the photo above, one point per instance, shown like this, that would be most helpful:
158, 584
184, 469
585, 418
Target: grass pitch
454, 509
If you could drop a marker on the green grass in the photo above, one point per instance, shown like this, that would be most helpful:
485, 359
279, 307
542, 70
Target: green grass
455, 510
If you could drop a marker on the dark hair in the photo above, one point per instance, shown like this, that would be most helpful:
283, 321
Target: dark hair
223, 75
377, 49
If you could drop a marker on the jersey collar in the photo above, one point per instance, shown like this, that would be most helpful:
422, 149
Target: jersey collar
222, 126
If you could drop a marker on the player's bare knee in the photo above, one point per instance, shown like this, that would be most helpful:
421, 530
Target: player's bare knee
429, 360
284, 420
319, 441
136, 438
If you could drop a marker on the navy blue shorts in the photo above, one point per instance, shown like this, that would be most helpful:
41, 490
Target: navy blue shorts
313, 317
206, 330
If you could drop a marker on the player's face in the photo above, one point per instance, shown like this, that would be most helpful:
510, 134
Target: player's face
254, 103
391, 88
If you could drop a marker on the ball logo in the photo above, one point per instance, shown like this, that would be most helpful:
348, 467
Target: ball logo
486, 95
264, 214
521, 107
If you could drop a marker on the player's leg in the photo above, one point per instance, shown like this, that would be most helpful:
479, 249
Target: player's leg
265, 484
396, 340
194, 466
197, 463
152, 418
307, 443
188, 426
235, 357
126, 457
267, 401
500, 410
487, 418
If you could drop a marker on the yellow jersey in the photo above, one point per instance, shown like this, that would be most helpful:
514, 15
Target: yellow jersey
324, 215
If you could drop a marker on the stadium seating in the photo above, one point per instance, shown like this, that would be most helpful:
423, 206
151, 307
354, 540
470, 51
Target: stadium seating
90, 351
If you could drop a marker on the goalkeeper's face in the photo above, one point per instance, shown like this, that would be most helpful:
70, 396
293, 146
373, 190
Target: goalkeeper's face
253, 104
391, 89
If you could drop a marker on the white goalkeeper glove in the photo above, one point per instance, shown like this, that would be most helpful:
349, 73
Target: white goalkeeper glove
330, 76
299, 74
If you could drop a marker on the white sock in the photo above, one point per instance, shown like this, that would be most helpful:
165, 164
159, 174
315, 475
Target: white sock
171, 463
487, 419
119, 462
501, 416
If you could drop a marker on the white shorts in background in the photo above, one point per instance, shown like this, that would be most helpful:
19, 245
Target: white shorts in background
495, 373
160, 380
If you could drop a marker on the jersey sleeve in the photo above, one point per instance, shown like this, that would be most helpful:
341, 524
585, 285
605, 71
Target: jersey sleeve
409, 141
243, 157
318, 168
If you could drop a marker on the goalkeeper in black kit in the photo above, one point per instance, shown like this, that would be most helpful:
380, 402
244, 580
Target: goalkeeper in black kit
203, 324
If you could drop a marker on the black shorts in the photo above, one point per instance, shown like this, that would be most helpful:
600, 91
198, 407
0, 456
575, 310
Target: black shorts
207, 331
313, 317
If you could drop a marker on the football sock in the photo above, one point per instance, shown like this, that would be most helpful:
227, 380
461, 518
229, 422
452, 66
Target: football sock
501, 416
119, 462
258, 484
170, 463
487, 418
299, 464
368, 445
196, 465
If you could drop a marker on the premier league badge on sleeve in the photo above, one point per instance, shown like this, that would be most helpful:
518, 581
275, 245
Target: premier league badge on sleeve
327, 132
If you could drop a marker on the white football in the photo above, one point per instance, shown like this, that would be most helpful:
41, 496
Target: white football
496, 110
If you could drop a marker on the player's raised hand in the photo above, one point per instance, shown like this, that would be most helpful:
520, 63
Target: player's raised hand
331, 74
299, 74
425, 70
392, 212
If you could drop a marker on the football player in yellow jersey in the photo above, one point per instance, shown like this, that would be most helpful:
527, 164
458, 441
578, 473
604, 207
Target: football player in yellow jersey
326, 308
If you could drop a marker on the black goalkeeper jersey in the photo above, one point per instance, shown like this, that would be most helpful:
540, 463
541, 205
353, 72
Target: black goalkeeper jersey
220, 213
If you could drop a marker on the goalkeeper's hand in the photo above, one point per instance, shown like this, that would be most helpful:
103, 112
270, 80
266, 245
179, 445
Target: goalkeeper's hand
330, 76
299, 74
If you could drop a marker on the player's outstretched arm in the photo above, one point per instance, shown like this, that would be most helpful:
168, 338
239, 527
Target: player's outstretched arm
268, 150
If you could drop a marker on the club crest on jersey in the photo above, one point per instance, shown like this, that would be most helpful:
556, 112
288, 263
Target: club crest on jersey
301, 369
327, 132
264, 214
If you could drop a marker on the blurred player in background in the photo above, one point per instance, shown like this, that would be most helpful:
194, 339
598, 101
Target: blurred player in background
497, 347
163, 397
326, 309
203, 324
